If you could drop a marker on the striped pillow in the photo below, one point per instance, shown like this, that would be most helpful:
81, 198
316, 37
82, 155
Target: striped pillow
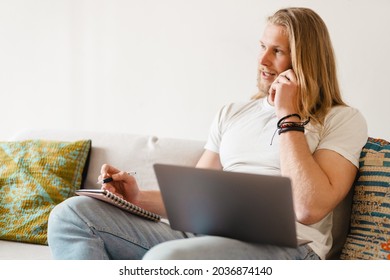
369, 236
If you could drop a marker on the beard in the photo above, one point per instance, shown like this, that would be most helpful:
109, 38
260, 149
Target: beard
262, 86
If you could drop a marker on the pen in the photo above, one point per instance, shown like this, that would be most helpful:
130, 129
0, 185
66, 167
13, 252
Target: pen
109, 179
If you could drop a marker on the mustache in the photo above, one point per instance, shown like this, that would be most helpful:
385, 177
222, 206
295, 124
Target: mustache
268, 71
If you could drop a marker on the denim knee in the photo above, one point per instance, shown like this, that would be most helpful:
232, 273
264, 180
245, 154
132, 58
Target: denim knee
169, 250
59, 216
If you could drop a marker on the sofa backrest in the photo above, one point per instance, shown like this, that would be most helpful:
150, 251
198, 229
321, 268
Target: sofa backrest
126, 152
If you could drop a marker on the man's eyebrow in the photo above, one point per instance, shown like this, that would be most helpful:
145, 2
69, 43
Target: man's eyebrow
275, 46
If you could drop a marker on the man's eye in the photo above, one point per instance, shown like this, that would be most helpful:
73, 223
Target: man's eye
278, 51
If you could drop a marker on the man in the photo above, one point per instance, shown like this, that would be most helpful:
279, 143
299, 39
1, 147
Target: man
315, 140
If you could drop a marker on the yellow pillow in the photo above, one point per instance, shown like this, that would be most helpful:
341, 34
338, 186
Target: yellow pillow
35, 175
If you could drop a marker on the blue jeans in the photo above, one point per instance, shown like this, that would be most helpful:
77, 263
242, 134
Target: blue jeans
86, 228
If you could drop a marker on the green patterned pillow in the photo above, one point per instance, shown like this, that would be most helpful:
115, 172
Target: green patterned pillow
35, 175
369, 236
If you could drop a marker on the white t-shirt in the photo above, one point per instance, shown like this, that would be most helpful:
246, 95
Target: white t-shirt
246, 139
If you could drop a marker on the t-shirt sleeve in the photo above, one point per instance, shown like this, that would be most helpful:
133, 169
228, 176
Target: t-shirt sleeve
215, 134
345, 132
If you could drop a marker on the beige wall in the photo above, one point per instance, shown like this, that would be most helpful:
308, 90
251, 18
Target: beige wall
166, 67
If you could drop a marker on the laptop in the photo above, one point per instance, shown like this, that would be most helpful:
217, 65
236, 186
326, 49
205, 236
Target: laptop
248, 207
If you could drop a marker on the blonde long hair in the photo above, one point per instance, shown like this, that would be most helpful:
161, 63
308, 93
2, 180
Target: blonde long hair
313, 62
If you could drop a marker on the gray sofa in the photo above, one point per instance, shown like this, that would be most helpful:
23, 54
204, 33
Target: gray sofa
139, 152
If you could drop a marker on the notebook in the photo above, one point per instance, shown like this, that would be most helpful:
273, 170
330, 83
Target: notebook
117, 201
249, 207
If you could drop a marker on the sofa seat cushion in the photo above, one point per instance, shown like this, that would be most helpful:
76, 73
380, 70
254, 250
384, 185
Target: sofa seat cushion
11, 250
369, 236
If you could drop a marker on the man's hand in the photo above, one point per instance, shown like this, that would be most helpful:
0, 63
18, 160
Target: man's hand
283, 93
122, 184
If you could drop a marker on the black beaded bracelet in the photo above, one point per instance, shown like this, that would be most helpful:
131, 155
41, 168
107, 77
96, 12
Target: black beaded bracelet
291, 128
290, 124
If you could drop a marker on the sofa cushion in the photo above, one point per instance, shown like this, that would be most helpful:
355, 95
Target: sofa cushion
35, 175
369, 236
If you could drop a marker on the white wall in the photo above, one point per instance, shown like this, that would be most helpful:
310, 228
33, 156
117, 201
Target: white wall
166, 67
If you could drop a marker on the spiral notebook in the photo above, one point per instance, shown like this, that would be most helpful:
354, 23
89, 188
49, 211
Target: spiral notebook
115, 200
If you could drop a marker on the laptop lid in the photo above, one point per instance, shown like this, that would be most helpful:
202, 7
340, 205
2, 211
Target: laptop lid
249, 207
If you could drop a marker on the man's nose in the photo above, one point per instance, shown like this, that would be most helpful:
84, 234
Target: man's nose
265, 58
